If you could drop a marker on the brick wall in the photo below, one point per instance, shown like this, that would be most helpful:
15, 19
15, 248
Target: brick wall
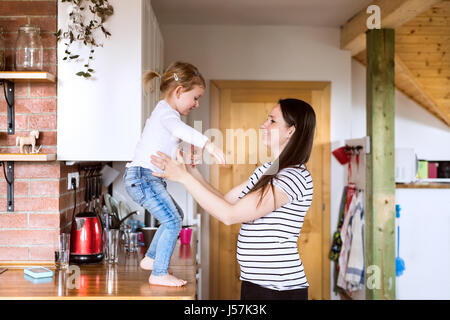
43, 205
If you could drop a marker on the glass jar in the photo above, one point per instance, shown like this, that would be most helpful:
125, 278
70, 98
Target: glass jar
29, 54
2, 52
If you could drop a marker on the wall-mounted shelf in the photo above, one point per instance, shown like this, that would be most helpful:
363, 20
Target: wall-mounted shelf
423, 185
27, 157
8, 78
38, 76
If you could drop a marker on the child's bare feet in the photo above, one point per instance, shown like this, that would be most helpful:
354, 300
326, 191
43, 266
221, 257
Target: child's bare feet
166, 280
147, 264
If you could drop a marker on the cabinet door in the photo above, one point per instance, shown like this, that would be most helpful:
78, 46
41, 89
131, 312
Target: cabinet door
152, 59
101, 119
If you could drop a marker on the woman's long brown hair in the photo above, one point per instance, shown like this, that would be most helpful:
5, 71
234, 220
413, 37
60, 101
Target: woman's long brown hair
297, 152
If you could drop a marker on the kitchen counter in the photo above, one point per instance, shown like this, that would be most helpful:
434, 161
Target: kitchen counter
122, 281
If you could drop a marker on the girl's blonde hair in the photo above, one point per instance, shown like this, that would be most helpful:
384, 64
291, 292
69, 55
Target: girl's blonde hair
177, 74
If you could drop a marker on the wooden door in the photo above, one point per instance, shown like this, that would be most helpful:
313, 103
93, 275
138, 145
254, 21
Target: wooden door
244, 106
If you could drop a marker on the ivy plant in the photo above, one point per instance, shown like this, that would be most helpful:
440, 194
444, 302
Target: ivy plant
86, 19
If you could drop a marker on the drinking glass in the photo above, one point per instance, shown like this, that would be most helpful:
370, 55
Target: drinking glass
185, 235
111, 245
125, 230
132, 242
62, 250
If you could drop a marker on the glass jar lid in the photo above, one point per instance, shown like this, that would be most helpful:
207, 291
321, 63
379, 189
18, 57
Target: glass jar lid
30, 28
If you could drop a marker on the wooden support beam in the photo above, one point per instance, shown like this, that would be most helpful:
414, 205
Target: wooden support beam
380, 166
394, 13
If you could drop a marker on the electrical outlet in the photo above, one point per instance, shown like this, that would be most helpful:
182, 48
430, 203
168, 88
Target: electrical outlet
71, 175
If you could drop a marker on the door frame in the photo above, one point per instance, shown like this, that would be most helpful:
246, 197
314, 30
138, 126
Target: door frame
321, 94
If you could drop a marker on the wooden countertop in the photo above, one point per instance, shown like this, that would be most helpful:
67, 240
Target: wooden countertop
122, 281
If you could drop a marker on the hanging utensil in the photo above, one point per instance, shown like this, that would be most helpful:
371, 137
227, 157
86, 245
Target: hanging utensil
90, 189
99, 188
99, 192
94, 188
86, 193
95, 193
92, 199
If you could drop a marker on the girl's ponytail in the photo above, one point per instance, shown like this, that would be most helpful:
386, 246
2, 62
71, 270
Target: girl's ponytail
177, 73
147, 79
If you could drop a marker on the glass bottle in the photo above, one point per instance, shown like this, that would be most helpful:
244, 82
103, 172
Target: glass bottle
2, 52
29, 54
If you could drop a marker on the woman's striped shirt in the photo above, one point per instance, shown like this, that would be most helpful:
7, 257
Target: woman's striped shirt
267, 247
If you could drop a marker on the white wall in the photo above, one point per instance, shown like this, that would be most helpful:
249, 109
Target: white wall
425, 214
267, 53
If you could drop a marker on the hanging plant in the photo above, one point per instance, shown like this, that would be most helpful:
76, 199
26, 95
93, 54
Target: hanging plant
86, 19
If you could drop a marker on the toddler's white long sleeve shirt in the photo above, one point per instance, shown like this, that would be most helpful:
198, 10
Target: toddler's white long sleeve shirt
164, 130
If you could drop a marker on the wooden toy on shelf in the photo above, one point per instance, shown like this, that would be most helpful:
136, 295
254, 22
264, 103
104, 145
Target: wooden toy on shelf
28, 140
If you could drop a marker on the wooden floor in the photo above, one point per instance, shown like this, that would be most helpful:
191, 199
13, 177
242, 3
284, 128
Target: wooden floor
123, 281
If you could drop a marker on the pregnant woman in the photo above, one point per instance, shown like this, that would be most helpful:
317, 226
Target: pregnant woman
271, 204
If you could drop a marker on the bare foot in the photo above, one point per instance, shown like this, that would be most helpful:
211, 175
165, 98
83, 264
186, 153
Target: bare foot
147, 264
166, 280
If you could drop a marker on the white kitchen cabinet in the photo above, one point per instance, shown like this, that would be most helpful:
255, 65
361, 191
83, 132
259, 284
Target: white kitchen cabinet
101, 119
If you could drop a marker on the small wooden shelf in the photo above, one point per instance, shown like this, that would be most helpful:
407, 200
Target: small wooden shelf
423, 185
39, 76
27, 157
8, 80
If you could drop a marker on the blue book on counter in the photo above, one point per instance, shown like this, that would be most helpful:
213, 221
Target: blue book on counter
38, 272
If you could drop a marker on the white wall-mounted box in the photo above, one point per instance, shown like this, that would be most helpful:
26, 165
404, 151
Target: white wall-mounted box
405, 165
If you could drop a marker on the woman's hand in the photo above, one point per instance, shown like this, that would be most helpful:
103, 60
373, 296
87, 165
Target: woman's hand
174, 170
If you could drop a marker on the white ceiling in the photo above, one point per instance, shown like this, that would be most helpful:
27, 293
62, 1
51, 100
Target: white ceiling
318, 13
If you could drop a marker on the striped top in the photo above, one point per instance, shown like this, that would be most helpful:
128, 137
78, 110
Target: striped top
267, 247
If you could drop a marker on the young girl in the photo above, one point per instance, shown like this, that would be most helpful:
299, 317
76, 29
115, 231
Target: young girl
181, 87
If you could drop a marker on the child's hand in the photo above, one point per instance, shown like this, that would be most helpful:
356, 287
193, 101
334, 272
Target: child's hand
214, 151
196, 156
193, 156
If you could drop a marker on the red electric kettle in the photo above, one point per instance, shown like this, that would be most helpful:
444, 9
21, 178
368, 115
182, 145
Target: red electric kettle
86, 239
86, 244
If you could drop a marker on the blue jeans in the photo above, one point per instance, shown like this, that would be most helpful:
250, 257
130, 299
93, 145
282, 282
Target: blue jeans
150, 192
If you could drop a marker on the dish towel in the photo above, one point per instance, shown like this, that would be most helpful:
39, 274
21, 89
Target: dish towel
335, 249
346, 244
355, 267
